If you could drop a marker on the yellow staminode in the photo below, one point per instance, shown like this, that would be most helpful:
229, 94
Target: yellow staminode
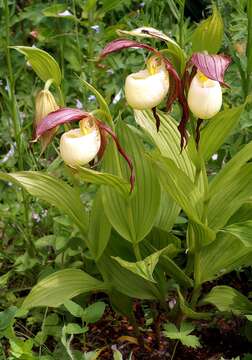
154, 64
202, 78
87, 126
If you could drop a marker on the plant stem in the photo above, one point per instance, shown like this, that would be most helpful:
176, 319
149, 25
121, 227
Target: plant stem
16, 125
137, 252
249, 49
174, 349
138, 334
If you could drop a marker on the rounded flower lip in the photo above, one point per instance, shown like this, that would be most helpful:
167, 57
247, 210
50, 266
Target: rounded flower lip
78, 149
204, 97
144, 90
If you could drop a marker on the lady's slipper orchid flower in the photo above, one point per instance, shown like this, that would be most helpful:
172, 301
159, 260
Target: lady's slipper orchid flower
83, 145
147, 88
205, 94
155, 88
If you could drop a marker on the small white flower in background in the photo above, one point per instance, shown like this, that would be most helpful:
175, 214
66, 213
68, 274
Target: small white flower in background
172, 303
117, 97
147, 88
91, 98
215, 157
110, 72
79, 104
79, 146
96, 28
204, 97
65, 13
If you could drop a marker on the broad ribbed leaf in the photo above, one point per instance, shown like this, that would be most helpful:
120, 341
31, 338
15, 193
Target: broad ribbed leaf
233, 193
198, 235
99, 228
208, 34
124, 280
132, 218
167, 213
44, 65
145, 267
223, 255
53, 191
217, 129
103, 178
167, 139
60, 286
178, 185
242, 231
175, 272
231, 169
228, 299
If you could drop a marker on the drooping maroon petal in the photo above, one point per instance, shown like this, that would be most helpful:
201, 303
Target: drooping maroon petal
107, 129
212, 66
59, 117
157, 118
120, 44
197, 136
104, 141
180, 95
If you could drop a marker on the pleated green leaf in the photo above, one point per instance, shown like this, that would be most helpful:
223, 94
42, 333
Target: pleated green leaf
242, 231
217, 129
231, 195
99, 228
178, 185
61, 286
167, 213
228, 299
223, 255
124, 280
53, 191
231, 169
175, 272
145, 267
44, 65
134, 217
208, 34
167, 139
198, 235
103, 178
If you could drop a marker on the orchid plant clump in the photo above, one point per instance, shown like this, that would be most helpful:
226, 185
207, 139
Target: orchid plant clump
129, 238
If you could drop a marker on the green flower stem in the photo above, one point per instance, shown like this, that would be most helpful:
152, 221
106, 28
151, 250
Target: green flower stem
16, 126
137, 252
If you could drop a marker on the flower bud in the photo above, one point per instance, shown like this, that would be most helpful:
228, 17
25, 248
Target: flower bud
204, 96
45, 104
147, 88
80, 146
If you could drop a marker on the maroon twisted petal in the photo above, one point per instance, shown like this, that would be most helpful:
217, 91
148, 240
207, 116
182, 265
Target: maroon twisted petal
59, 117
212, 66
106, 128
